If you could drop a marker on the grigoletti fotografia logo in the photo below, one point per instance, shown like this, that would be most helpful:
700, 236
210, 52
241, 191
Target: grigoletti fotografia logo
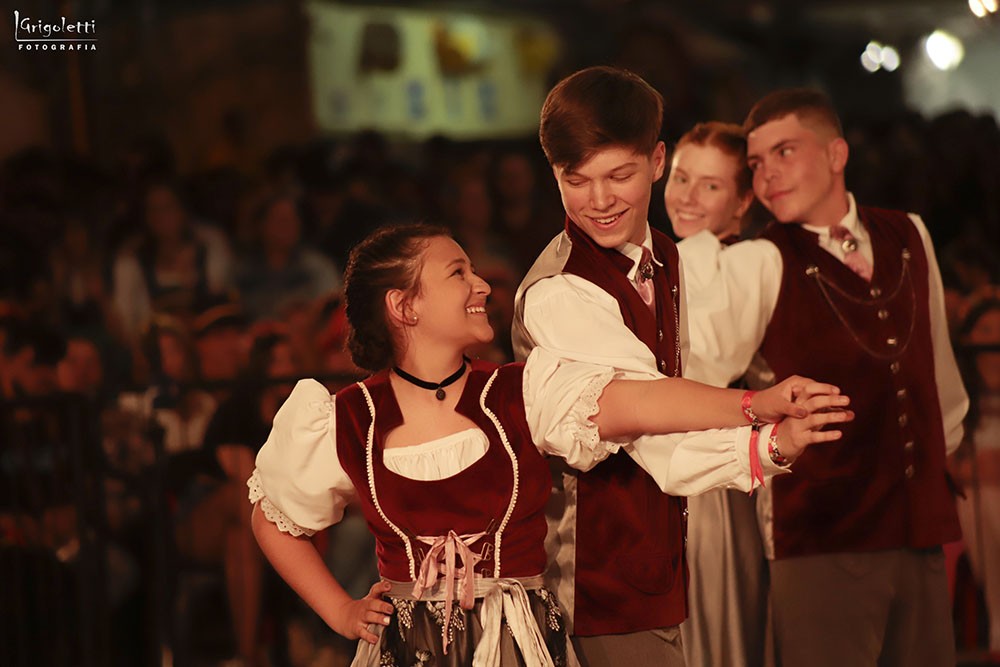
61, 34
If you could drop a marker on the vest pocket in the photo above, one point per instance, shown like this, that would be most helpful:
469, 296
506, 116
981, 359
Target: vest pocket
653, 573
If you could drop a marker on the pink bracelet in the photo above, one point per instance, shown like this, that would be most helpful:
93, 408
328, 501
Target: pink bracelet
746, 403
756, 469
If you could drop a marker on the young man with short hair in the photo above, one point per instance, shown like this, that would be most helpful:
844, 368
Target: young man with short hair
851, 294
607, 292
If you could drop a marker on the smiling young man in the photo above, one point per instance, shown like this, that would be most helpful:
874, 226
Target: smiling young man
852, 294
607, 292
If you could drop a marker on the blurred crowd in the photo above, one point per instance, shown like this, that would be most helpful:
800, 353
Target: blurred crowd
183, 306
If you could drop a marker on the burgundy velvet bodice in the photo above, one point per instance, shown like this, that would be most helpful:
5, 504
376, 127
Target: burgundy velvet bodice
502, 494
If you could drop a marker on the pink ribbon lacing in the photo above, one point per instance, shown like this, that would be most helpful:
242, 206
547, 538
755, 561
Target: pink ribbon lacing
443, 552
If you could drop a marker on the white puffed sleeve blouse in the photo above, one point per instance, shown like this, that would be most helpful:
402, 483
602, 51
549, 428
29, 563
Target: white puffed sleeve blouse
302, 487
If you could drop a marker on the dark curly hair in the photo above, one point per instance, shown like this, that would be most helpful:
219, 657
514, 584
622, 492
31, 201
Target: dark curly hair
390, 258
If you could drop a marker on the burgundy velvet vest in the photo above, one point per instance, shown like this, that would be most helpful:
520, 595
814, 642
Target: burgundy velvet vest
884, 484
631, 572
503, 493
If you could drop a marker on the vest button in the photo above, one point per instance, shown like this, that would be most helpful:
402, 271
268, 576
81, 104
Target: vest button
875, 292
909, 471
901, 394
663, 366
659, 335
894, 367
892, 341
883, 314
908, 446
903, 419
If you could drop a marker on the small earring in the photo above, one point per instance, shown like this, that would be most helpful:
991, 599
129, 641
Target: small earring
413, 319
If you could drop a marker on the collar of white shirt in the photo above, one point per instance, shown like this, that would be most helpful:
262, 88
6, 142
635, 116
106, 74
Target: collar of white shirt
853, 224
634, 252
850, 222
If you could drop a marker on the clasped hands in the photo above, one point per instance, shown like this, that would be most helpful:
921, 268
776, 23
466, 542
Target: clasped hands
807, 411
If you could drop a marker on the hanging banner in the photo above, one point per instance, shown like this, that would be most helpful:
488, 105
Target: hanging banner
424, 72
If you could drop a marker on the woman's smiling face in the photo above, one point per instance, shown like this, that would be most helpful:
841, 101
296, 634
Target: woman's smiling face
702, 191
451, 301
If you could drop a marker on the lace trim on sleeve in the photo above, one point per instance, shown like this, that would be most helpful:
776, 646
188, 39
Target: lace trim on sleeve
271, 512
586, 432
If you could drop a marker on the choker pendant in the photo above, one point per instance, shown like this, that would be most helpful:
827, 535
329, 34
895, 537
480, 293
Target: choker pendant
436, 387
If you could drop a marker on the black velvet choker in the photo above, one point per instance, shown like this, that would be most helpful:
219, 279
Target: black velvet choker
437, 387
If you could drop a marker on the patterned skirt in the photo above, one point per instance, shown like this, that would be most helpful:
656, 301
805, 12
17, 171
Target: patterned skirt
514, 622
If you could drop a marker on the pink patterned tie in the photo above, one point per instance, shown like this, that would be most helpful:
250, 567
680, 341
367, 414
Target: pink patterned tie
852, 256
644, 280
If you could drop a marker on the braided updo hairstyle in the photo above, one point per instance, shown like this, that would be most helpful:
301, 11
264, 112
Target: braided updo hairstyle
390, 258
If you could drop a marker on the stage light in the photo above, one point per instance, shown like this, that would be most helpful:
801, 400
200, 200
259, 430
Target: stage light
977, 8
982, 7
890, 59
944, 50
877, 56
869, 63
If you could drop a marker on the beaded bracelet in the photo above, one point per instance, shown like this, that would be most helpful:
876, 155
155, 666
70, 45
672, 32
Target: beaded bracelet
777, 458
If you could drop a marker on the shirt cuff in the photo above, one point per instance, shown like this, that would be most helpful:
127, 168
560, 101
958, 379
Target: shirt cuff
271, 511
586, 433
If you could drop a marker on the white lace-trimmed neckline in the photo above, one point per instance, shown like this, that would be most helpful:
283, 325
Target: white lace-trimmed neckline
433, 445
439, 458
